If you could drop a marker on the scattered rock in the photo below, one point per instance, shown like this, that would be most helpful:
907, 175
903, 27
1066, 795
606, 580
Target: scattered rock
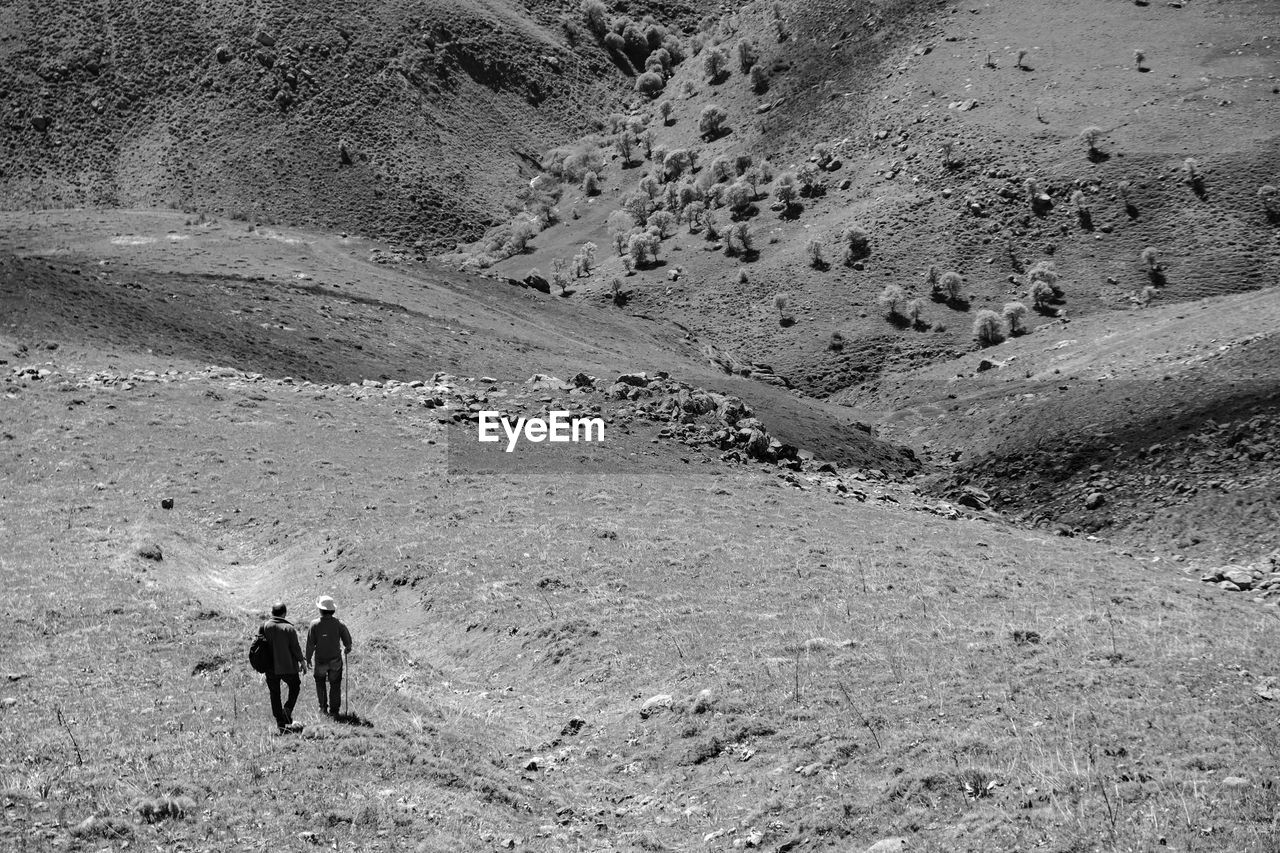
8, 702
166, 503
1236, 783
888, 845
654, 704
1094, 500
151, 552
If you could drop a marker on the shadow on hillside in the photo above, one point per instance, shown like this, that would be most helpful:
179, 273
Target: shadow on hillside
791, 210
1086, 219
351, 718
712, 136
1130, 210
1096, 156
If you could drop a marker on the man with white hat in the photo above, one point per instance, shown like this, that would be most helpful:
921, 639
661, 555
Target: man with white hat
327, 640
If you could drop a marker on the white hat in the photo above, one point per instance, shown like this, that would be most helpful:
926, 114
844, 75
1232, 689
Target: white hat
326, 603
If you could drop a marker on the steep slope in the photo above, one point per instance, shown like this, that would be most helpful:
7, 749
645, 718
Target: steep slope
885, 88
405, 121
315, 307
1158, 426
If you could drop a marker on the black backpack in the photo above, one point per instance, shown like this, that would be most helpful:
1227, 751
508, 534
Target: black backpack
260, 654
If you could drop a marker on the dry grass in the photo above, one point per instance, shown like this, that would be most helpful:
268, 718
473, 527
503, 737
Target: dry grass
868, 670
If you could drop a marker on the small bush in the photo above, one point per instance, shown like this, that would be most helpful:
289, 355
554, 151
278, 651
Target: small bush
625, 143
650, 84
1046, 272
893, 299
1138, 57
1090, 136
1022, 55
642, 248
780, 302
857, 244
596, 17
1015, 316
620, 223
738, 239
748, 56
1270, 198
590, 184
759, 79
987, 328
665, 109
836, 344
584, 260
1150, 258
663, 221
915, 312
948, 286
714, 62
814, 250
738, 197
1041, 295
711, 121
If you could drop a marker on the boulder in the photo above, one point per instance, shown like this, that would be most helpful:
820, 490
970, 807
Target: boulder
889, 845
640, 380
1094, 500
656, 703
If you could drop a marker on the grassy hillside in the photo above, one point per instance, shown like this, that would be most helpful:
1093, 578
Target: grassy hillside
405, 121
623, 662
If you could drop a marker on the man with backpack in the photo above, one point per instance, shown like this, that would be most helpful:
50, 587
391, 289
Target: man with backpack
327, 640
284, 664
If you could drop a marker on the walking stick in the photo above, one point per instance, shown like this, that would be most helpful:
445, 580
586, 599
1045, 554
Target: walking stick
346, 698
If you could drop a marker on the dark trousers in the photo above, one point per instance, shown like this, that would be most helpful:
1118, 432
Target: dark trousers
283, 713
330, 699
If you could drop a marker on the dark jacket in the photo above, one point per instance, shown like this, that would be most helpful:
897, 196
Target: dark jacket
327, 638
286, 653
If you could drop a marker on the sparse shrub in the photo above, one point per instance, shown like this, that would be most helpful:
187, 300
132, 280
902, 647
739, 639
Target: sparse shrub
584, 260
665, 109
650, 84
620, 223
639, 205
987, 328
822, 154
743, 278
676, 163
663, 221
710, 224
836, 344
738, 239
721, 168
1123, 189
893, 300
948, 287
738, 198
1015, 316
814, 250
625, 143
646, 139
741, 163
714, 62
659, 62
1090, 136
759, 79
693, 212
596, 17
617, 46
748, 56
780, 302
1270, 198
1192, 175
642, 247
1041, 295
857, 244
781, 30
522, 231
915, 312
560, 273
650, 186
615, 289
1150, 258
711, 121
811, 183
1036, 196
1080, 203
1046, 272
590, 184
1022, 55
1139, 56
948, 147
1148, 293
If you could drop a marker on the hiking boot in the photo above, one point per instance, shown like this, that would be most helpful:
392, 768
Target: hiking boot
294, 727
